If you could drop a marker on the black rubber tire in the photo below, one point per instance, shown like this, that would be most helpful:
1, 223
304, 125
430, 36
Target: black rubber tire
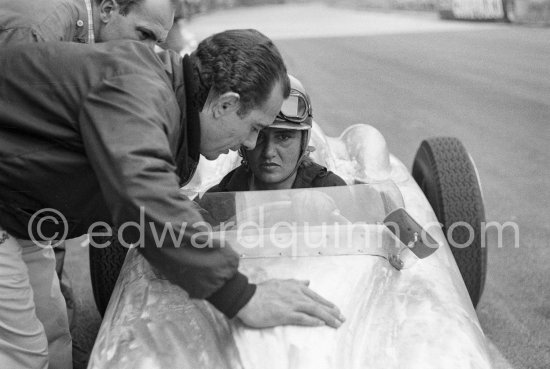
447, 176
105, 265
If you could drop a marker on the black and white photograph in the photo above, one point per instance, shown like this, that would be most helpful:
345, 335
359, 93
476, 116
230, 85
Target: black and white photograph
274, 184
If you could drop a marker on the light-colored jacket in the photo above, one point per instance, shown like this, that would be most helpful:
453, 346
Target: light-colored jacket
23, 21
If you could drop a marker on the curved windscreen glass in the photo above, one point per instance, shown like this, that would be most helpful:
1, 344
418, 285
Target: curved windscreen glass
364, 203
324, 221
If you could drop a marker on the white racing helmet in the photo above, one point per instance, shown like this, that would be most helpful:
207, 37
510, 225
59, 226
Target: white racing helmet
296, 113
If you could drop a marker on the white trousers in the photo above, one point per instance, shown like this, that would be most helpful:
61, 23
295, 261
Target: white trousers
34, 329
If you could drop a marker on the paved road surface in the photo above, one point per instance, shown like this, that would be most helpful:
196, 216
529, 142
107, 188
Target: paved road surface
414, 76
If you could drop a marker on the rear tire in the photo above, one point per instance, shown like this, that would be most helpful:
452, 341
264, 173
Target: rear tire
105, 265
447, 176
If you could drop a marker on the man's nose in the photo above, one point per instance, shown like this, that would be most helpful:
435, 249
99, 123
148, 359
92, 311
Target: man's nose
250, 142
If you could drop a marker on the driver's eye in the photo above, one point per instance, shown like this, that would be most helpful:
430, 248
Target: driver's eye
283, 137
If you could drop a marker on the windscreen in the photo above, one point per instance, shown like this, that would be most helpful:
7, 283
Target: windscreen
365, 203
302, 222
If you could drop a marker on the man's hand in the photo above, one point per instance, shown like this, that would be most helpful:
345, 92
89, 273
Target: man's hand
288, 302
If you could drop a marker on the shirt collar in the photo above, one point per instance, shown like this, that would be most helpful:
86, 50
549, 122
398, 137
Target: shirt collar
91, 36
84, 27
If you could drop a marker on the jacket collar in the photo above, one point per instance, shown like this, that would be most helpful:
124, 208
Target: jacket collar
192, 111
188, 151
307, 174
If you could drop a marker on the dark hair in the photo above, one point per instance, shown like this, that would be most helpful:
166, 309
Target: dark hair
243, 61
127, 5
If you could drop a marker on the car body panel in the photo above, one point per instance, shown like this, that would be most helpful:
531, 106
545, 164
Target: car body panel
419, 317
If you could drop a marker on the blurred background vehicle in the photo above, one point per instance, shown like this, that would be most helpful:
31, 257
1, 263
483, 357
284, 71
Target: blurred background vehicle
536, 12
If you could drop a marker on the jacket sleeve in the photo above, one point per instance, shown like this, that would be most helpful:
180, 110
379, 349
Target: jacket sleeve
19, 35
127, 124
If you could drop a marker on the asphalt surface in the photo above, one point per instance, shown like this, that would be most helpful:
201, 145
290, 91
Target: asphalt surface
413, 76
491, 89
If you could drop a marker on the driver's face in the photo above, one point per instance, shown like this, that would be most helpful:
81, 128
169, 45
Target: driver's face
275, 157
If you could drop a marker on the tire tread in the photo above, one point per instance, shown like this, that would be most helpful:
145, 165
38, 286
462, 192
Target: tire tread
455, 198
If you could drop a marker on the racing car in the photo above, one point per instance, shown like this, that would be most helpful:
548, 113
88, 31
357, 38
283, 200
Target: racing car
402, 255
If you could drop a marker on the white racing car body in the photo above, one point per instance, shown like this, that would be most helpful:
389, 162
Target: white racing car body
418, 317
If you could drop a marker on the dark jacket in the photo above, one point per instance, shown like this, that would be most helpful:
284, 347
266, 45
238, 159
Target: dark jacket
105, 133
23, 21
313, 175
221, 208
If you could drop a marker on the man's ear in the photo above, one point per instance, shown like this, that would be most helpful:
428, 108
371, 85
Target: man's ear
106, 9
226, 103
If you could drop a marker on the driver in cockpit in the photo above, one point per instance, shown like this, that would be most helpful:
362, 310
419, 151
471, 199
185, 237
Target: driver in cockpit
281, 159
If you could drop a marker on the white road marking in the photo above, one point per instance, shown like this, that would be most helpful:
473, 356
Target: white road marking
292, 21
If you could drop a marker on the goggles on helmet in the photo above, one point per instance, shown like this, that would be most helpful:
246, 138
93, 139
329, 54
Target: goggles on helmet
296, 108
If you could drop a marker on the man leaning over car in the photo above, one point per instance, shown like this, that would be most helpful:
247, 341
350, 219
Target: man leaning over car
83, 21
110, 133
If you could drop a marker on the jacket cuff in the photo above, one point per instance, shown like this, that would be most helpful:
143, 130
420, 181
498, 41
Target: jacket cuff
233, 295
